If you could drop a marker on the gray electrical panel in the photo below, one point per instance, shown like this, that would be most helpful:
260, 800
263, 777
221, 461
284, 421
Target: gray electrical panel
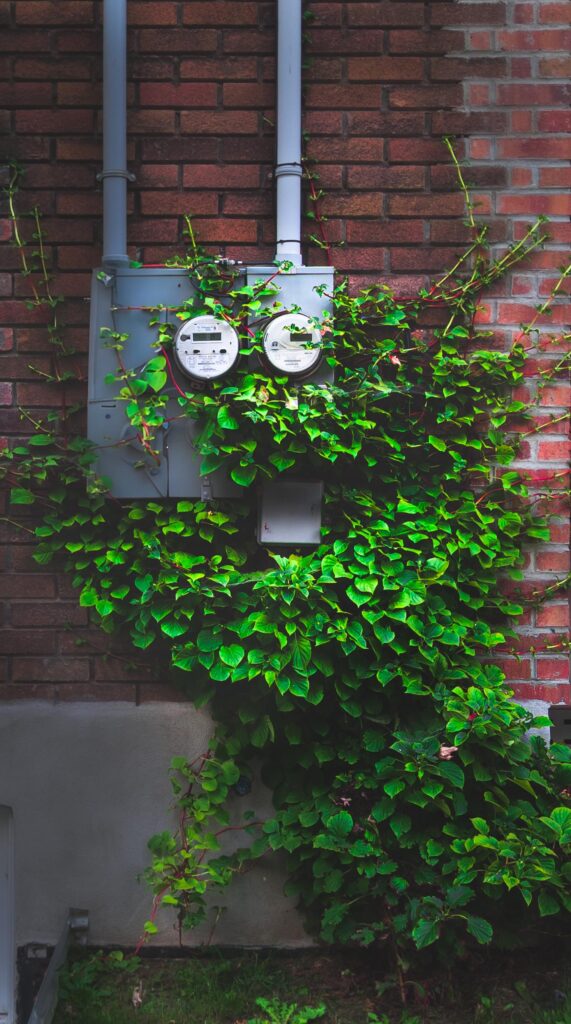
124, 301
560, 715
289, 511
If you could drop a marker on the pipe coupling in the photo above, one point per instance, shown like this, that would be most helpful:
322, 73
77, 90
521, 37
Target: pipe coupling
289, 169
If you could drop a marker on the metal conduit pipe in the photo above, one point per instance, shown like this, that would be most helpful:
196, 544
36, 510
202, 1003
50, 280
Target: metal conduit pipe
288, 162
115, 174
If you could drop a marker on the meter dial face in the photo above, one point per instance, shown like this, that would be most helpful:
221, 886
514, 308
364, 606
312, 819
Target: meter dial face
292, 344
206, 347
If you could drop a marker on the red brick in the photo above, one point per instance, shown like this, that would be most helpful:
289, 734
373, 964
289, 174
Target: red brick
552, 561
27, 94
536, 42
417, 42
386, 233
219, 122
177, 40
51, 613
54, 12
554, 615
552, 451
22, 641
43, 68
554, 120
144, 12
467, 67
223, 13
555, 67
343, 97
553, 205
468, 14
245, 41
553, 668
426, 206
80, 94
557, 13
153, 203
535, 94
56, 122
425, 97
84, 41
197, 94
208, 176
555, 177
248, 95
385, 69
153, 68
556, 395
386, 178
152, 122
241, 68
51, 670
384, 14
556, 694
534, 149
6, 339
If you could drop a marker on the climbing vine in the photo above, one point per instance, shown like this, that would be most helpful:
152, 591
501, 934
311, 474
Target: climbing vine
355, 677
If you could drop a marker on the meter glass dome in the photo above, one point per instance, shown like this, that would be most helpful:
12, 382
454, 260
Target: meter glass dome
205, 347
292, 344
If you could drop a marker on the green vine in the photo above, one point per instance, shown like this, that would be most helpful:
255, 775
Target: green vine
409, 803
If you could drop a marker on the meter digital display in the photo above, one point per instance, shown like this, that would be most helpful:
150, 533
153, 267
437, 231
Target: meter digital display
206, 347
292, 344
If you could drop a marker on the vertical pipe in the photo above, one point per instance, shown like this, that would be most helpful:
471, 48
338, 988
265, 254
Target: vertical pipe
288, 165
115, 172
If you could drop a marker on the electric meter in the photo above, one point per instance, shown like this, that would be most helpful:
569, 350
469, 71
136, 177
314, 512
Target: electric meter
206, 347
292, 344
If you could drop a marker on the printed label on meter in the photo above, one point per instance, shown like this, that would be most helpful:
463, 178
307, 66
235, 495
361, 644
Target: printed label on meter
292, 344
206, 348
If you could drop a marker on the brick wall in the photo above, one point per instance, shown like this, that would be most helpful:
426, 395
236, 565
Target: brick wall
385, 81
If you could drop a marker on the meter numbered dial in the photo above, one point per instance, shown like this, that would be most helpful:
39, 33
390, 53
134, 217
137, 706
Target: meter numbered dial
206, 348
292, 344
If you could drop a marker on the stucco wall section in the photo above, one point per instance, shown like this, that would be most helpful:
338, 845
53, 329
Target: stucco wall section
88, 784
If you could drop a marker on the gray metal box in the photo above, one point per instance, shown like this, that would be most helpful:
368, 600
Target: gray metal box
290, 512
124, 301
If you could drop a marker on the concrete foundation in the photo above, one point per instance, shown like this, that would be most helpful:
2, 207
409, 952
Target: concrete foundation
88, 785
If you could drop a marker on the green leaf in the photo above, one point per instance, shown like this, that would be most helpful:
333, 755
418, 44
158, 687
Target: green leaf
232, 655
21, 496
357, 597
225, 419
173, 628
453, 773
437, 443
301, 652
104, 607
394, 787
480, 929
425, 933
244, 475
548, 903
340, 824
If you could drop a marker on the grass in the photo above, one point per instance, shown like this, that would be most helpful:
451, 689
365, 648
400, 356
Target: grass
100, 988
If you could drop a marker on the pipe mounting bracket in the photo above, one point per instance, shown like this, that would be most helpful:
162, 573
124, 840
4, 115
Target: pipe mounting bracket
289, 169
116, 173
